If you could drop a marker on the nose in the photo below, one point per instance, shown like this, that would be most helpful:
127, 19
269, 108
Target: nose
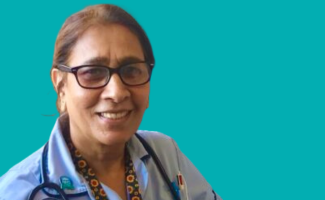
115, 90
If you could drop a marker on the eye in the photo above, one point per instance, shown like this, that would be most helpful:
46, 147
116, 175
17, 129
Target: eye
92, 73
132, 71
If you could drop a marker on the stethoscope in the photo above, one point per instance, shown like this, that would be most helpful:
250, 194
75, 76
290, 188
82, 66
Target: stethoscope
62, 195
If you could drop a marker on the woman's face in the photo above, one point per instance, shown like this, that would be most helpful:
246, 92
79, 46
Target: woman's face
112, 114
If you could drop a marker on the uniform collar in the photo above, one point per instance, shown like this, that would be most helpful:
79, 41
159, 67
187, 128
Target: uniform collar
59, 163
137, 149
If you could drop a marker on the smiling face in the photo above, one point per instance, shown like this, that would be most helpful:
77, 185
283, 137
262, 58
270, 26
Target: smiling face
112, 114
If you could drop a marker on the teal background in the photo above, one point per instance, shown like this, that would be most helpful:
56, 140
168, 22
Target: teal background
238, 84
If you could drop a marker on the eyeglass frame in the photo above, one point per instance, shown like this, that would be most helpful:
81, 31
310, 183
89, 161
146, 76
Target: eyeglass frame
74, 70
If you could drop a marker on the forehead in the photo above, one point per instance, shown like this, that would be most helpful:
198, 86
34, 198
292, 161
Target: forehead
112, 42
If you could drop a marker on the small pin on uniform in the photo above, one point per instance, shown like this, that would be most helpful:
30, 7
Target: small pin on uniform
66, 183
180, 181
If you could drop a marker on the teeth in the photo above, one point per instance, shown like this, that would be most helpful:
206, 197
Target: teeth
114, 115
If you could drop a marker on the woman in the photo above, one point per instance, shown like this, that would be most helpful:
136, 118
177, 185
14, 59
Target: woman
101, 71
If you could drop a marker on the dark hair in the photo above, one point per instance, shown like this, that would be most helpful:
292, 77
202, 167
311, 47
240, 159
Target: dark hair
78, 23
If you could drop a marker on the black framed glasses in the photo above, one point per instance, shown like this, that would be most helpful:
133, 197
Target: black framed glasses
98, 76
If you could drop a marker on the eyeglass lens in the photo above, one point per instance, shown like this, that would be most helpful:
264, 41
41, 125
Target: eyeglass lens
97, 76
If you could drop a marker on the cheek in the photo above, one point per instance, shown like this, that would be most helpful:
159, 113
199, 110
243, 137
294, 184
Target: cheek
141, 97
78, 97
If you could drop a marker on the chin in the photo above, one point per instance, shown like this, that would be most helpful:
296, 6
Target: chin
116, 137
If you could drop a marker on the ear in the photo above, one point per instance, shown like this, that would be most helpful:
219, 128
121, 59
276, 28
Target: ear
56, 77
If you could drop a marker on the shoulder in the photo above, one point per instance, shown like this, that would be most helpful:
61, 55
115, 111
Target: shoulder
22, 177
31, 162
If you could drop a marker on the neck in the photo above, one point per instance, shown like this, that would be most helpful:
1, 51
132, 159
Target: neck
104, 159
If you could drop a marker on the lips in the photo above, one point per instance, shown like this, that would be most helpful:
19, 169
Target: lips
114, 115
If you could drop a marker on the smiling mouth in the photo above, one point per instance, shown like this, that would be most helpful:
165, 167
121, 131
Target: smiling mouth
114, 116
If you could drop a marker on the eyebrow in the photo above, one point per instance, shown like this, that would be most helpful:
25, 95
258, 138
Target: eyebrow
96, 60
105, 61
